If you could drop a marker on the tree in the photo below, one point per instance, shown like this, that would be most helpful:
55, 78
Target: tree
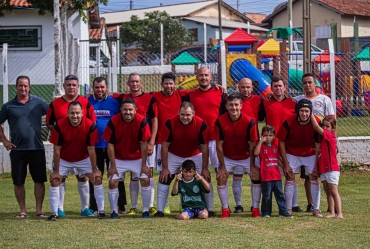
146, 34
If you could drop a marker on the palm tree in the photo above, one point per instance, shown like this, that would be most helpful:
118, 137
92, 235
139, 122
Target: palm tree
284, 33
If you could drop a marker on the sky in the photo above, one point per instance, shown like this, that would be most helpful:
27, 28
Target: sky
254, 6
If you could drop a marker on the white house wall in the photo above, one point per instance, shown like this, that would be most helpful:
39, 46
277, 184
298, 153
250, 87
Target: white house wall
347, 29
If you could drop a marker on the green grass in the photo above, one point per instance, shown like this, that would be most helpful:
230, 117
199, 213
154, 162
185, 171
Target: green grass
353, 126
239, 231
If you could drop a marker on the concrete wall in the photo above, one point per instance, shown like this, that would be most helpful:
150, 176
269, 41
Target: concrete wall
212, 11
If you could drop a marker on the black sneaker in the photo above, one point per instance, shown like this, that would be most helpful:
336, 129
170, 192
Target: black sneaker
101, 216
239, 209
211, 214
310, 208
52, 217
159, 214
251, 209
297, 209
145, 215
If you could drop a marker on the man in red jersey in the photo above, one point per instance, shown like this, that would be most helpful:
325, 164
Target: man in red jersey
127, 134
147, 107
208, 103
74, 139
58, 109
297, 139
182, 136
236, 138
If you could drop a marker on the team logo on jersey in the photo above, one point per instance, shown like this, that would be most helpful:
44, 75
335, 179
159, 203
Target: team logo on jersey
196, 189
159, 162
265, 152
275, 150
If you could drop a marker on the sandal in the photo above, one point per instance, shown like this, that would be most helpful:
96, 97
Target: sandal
41, 215
21, 216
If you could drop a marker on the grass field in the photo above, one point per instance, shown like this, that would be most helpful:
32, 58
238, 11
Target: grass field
239, 231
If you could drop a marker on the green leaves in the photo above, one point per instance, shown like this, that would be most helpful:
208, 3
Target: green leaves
284, 33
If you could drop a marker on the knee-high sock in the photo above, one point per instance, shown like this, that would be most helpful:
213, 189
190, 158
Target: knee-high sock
113, 198
237, 190
83, 190
209, 198
162, 195
256, 195
288, 192
251, 186
134, 192
145, 196
152, 191
99, 196
224, 195
62, 192
54, 193
295, 195
315, 193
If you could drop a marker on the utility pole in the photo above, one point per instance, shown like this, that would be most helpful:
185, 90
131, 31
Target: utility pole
237, 5
306, 37
130, 4
219, 20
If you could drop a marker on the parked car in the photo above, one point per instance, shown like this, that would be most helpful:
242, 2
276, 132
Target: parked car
198, 52
297, 51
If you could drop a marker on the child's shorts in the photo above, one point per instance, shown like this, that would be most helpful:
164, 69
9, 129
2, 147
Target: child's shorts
331, 177
192, 212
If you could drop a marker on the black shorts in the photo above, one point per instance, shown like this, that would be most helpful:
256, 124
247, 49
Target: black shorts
102, 159
19, 160
303, 173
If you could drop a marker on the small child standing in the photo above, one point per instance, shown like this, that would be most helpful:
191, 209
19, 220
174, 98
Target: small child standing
269, 158
326, 164
191, 186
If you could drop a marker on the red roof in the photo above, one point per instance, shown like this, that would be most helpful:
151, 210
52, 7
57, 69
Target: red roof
325, 58
240, 37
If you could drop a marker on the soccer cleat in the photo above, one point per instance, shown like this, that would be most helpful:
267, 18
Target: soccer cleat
167, 210
52, 217
87, 212
61, 213
266, 216
287, 215
159, 214
123, 211
225, 213
101, 215
132, 211
238, 209
310, 208
114, 215
152, 210
211, 214
145, 215
317, 213
297, 209
256, 213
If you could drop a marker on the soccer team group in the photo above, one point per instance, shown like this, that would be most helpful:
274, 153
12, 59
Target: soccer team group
179, 133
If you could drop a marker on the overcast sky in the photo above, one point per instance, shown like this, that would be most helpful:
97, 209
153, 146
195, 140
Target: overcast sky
254, 6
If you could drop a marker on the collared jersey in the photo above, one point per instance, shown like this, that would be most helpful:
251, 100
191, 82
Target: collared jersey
327, 159
126, 137
269, 166
186, 139
235, 135
321, 105
74, 140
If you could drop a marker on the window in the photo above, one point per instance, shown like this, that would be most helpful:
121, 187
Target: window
21, 38
194, 34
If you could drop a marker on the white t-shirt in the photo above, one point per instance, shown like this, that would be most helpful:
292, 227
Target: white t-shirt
321, 105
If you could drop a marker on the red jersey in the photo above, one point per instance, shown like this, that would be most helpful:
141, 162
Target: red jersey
168, 107
74, 140
299, 139
185, 139
327, 159
126, 137
269, 166
252, 106
208, 105
58, 109
235, 135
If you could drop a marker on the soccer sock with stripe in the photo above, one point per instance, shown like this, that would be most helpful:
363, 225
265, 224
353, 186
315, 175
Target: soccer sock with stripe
224, 195
83, 190
134, 192
113, 198
99, 197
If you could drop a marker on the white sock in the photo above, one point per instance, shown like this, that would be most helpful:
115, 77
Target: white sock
224, 196
99, 197
288, 192
237, 190
162, 195
315, 193
62, 192
251, 186
295, 195
209, 198
256, 195
113, 199
134, 192
83, 190
166, 202
145, 196
152, 191
54, 193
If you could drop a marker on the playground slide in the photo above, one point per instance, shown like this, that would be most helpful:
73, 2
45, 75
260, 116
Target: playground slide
295, 79
189, 84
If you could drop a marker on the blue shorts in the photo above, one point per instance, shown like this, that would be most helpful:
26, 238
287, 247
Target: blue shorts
192, 212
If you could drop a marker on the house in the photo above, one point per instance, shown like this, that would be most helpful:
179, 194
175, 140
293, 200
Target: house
324, 13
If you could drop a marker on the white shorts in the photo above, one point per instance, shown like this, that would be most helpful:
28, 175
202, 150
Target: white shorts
295, 162
134, 166
72, 171
331, 177
175, 162
237, 167
213, 154
151, 159
79, 168
159, 157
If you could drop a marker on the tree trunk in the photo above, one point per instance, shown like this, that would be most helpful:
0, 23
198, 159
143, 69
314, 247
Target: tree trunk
58, 89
